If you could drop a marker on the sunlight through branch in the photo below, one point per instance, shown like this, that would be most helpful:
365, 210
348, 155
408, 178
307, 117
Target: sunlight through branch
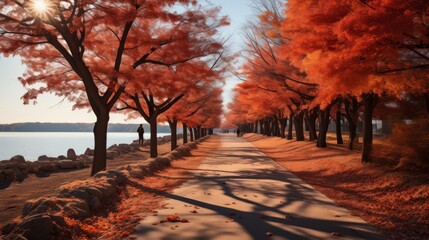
42, 8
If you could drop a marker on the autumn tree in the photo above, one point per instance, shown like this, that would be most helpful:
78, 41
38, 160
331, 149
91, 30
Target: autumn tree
207, 118
189, 107
327, 38
270, 77
168, 87
86, 50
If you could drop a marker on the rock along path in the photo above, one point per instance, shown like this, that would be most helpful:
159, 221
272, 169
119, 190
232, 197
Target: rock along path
240, 193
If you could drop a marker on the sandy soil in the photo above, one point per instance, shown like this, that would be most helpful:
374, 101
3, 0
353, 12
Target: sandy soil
120, 216
394, 201
13, 197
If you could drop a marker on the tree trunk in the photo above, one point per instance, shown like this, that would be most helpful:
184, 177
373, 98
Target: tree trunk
153, 137
185, 134
283, 122
173, 129
261, 126
338, 128
267, 127
324, 119
197, 133
191, 133
290, 127
100, 143
256, 127
352, 106
276, 128
299, 126
310, 118
426, 96
352, 135
369, 101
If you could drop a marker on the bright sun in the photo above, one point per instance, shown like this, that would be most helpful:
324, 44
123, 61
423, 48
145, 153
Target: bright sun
40, 5
41, 8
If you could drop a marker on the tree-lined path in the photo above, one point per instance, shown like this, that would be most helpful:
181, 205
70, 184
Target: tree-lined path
240, 193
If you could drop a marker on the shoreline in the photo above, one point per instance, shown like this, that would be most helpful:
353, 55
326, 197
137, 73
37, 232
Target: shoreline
32, 145
17, 169
13, 197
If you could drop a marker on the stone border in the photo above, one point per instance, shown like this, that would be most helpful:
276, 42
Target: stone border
17, 169
43, 218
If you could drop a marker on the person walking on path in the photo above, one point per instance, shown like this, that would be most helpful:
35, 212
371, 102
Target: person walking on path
140, 130
238, 132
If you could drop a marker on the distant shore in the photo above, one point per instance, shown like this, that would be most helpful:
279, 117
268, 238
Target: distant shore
75, 127
31, 145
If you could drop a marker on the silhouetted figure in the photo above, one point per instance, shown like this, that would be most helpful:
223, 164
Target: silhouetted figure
238, 132
140, 130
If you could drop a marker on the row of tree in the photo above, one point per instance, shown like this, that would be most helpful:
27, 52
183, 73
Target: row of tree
311, 61
160, 60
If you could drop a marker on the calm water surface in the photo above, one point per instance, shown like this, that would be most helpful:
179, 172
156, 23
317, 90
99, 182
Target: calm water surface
31, 145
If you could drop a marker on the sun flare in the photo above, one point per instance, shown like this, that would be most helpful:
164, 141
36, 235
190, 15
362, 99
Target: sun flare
40, 5
41, 8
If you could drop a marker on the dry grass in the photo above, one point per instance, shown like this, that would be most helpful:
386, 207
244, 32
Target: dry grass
394, 201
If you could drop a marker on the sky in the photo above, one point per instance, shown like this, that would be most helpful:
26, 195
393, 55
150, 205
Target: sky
52, 109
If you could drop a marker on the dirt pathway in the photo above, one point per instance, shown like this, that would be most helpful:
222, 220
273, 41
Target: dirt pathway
240, 193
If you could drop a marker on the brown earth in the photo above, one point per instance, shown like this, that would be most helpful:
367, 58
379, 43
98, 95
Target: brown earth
396, 201
13, 198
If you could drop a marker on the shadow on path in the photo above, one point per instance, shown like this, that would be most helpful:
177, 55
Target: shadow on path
240, 193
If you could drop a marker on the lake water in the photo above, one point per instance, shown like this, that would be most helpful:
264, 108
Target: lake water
31, 145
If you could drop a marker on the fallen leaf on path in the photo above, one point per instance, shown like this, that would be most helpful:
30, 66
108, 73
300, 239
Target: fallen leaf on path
194, 211
172, 228
173, 218
269, 234
336, 234
185, 220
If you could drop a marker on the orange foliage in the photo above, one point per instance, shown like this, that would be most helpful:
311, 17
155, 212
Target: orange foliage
308, 53
346, 46
91, 52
